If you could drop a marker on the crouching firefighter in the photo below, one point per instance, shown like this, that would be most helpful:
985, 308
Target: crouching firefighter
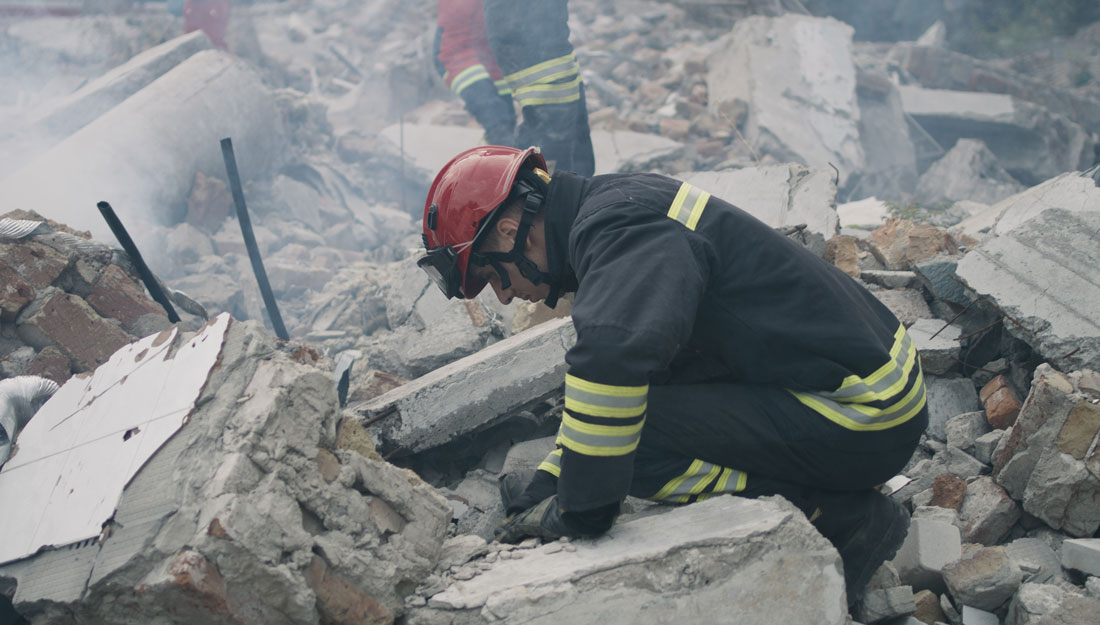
713, 354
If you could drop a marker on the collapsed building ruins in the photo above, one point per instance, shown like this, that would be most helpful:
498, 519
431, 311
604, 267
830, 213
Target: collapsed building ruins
206, 472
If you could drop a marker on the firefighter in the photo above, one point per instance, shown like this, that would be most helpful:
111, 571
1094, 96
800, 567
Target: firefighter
500, 52
713, 355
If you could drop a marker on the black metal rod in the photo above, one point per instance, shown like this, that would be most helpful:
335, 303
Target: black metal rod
135, 256
250, 240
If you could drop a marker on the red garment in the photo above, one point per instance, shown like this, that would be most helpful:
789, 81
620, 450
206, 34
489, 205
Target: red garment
210, 16
463, 42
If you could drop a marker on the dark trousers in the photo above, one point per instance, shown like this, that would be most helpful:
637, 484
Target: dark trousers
523, 34
783, 447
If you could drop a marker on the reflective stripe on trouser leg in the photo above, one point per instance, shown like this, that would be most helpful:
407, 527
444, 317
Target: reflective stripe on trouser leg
699, 481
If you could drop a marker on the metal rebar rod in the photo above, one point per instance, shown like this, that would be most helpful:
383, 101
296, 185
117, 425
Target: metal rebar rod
250, 240
139, 263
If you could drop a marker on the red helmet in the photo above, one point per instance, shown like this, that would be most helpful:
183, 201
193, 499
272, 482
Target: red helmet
469, 188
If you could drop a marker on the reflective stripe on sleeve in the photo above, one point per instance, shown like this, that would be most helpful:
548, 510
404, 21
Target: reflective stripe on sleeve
467, 77
701, 480
552, 463
688, 206
896, 389
602, 419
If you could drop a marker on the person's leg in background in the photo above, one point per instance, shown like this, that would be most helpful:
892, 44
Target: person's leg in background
530, 40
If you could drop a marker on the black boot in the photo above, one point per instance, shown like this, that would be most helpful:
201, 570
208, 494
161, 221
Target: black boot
867, 528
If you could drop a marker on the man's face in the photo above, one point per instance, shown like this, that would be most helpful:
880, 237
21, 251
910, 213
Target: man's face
521, 287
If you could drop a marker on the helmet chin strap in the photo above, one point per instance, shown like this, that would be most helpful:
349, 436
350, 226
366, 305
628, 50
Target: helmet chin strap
533, 190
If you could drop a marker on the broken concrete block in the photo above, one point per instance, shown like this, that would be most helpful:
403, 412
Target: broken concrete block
1042, 459
609, 579
900, 243
948, 491
1000, 402
964, 430
879, 605
15, 294
62, 117
69, 323
38, 265
471, 393
150, 146
985, 578
947, 460
969, 171
866, 214
117, 296
985, 444
766, 60
948, 398
929, 546
1073, 191
1036, 559
928, 608
1037, 276
973, 616
843, 252
234, 519
50, 363
987, 513
908, 305
1048, 604
778, 195
1082, 554
476, 503
890, 157
937, 343
937, 274
890, 279
1030, 142
528, 455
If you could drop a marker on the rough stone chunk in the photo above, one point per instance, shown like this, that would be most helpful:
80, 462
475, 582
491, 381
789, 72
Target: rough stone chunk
908, 305
1000, 402
929, 546
116, 296
69, 323
964, 430
15, 294
1042, 459
947, 398
937, 344
756, 558
984, 578
899, 243
987, 513
879, 605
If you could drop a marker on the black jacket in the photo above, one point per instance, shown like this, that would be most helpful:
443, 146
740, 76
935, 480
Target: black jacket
673, 285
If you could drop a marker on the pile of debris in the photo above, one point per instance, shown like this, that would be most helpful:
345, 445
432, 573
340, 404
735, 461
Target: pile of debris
263, 485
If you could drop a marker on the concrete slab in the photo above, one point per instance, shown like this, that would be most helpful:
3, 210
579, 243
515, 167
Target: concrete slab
1031, 143
142, 155
797, 76
937, 343
778, 195
428, 147
1073, 191
757, 559
929, 546
1041, 275
470, 393
1082, 554
60, 118
868, 213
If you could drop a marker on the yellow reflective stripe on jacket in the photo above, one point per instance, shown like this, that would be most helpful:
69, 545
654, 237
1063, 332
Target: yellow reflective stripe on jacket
849, 406
604, 400
556, 93
602, 419
552, 463
695, 481
886, 381
599, 440
688, 206
547, 71
467, 77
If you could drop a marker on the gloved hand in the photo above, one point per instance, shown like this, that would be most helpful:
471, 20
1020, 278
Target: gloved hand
542, 521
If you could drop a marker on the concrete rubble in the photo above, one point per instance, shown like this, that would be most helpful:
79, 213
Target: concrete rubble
351, 474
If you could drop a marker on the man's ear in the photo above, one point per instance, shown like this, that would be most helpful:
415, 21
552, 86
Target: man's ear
507, 227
